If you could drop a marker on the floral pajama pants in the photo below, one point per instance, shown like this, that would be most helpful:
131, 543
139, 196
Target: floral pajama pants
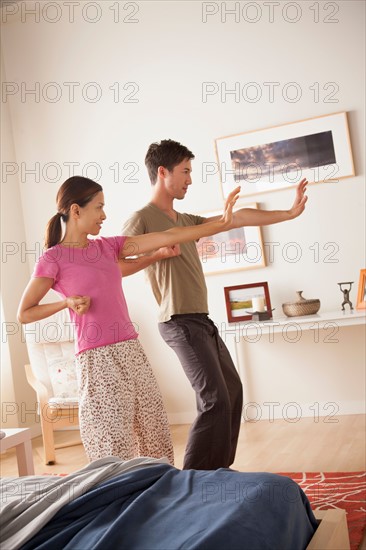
121, 409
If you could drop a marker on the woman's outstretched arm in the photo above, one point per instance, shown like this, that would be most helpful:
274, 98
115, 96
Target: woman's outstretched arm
140, 244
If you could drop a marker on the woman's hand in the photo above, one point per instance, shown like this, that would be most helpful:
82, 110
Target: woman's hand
79, 304
227, 218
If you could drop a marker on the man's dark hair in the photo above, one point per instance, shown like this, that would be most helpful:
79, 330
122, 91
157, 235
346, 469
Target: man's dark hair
167, 153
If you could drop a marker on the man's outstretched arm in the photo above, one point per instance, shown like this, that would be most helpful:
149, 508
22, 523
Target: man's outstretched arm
256, 217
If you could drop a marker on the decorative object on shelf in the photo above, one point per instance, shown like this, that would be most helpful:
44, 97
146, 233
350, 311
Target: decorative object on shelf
261, 315
236, 249
346, 292
301, 306
318, 149
253, 297
361, 295
258, 303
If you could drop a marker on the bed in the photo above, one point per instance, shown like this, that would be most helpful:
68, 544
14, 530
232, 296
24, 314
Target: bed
147, 504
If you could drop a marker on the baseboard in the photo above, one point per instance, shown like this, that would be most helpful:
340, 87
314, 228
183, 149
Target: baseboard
294, 411
253, 412
181, 417
291, 412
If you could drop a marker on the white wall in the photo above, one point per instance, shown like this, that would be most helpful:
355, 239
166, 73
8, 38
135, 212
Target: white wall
17, 398
164, 58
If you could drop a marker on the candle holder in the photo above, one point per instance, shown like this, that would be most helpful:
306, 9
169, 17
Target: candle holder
261, 315
346, 292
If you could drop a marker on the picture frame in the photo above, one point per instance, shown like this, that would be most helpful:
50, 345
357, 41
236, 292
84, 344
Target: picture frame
239, 300
278, 157
361, 295
233, 250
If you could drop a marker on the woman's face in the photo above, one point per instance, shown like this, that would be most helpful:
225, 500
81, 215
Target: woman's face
92, 215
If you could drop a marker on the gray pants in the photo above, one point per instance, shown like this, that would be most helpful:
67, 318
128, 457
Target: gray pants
207, 363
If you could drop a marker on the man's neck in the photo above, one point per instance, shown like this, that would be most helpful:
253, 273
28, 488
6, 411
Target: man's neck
164, 202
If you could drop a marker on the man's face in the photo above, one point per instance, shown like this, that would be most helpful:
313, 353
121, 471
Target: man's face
177, 180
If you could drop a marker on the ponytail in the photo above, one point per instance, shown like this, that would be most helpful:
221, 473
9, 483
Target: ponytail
53, 231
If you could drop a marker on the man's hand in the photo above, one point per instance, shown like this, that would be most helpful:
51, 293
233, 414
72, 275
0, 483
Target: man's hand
129, 266
300, 200
169, 251
79, 304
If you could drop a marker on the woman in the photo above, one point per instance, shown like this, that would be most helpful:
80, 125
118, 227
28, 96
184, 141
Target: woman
121, 409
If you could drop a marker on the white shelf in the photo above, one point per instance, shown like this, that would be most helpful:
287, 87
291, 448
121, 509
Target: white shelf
326, 320
264, 384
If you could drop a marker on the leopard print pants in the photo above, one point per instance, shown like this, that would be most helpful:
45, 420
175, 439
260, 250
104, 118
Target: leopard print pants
121, 408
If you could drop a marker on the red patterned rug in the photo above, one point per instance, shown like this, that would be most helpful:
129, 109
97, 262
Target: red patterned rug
346, 490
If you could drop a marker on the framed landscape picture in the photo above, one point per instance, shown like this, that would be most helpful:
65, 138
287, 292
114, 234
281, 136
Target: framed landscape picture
242, 301
240, 248
318, 149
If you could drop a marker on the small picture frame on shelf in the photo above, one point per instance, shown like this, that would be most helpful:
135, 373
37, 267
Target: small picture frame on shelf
361, 295
244, 301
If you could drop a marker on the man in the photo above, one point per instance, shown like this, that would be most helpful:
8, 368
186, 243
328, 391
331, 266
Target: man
179, 287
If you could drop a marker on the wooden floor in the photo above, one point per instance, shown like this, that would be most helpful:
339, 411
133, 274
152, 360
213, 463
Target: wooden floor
277, 446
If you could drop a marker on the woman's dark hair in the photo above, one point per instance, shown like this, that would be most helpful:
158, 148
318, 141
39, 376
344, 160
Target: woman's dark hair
167, 153
75, 190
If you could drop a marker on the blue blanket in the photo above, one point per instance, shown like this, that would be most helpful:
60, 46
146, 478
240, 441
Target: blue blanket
163, 508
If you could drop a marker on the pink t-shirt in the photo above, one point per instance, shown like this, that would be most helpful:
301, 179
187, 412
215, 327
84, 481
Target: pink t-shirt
94, 272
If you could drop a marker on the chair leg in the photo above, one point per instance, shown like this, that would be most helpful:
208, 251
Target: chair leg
48, 441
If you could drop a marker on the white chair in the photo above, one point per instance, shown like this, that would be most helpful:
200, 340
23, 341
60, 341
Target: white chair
51, 373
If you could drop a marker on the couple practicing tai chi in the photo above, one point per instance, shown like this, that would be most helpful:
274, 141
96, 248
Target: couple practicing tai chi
120, 405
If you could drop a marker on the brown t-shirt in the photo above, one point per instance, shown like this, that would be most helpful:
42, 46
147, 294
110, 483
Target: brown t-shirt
178, 283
